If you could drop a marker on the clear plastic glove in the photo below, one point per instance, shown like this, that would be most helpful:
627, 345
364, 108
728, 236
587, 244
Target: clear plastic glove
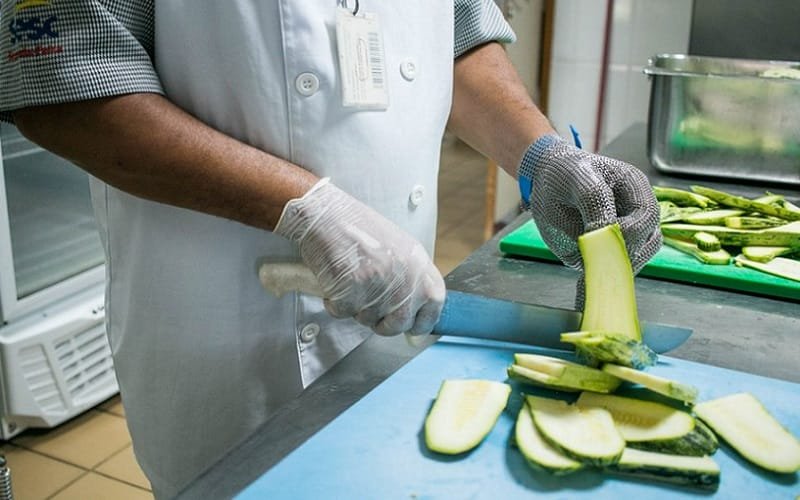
574, 192
367, 266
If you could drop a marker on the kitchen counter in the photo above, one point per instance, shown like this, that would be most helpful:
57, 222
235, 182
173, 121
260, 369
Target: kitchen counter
734, 330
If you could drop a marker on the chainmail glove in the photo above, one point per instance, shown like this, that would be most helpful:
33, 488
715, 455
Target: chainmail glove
573, 192
367, 267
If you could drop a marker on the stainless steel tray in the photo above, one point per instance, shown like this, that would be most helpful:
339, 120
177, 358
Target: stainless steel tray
722, 117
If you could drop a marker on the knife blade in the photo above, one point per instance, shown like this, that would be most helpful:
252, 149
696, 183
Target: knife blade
477, 316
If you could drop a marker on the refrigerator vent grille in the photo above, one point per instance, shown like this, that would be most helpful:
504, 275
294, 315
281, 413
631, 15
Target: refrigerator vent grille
85, 362
41, 380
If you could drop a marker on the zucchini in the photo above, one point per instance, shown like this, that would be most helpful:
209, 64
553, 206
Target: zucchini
597, 347
730, 200
559, 373
682, 198
779, 266
670, 388
587, 435
717, 257
706, 242
535, 377
700, 442
742, 421
610, 301
670, 212
764, 254
712, 217
538, 453
702, 472
638, 420
753, 222
777, 236
463, 414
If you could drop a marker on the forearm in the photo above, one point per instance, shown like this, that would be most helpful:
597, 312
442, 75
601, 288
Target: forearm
492, 111
145, 145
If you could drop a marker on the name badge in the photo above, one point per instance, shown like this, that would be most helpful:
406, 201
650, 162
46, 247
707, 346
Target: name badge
362, 63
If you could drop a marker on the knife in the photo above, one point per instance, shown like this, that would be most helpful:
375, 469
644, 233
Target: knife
477, 316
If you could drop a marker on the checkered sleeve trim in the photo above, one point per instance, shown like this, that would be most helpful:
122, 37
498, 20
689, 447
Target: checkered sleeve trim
55, 51
478, 22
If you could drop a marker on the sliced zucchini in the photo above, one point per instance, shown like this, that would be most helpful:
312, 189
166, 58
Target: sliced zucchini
566, 373
670, 388
764, 254
595, 347
610, 302
779, 266
706, 242
537, 452
782, 236
753, 222
681, 197
716, 257
742, 421
700, 442
712, 217
537, 378
638, 420
731, 200
701, 472
463, 414
587, 435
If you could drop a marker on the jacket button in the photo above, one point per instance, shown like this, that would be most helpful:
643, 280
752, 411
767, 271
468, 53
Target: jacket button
408, 68
309, 332
307, 84
416, 196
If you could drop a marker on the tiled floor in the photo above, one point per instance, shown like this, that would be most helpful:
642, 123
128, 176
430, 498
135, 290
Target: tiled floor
90, 457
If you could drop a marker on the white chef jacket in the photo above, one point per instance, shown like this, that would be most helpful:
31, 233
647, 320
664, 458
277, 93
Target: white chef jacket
203, 355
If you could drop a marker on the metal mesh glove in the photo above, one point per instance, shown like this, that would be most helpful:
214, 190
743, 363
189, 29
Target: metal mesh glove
367, 267
574, 192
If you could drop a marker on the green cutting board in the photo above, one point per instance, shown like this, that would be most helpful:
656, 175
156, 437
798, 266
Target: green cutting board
668, 264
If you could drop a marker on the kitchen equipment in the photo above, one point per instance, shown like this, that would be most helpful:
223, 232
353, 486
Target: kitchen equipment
668, 263
375, 449
55, 360
725, 117
475, 316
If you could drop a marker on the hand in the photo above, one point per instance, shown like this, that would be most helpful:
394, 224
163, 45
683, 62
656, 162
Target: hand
574, 192
368, 268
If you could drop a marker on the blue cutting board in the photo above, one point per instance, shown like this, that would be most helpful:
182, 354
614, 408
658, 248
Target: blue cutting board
376, 450
669, 264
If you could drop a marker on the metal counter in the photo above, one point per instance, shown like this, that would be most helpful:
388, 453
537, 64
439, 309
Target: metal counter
733, 330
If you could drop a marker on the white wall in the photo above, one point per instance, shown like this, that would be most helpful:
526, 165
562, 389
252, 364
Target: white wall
640, 29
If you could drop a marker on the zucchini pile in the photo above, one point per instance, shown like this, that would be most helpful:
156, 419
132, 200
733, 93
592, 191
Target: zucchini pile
605, 431
712, 225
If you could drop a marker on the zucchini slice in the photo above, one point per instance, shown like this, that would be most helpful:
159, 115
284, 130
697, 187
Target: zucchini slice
702, 472
742, 421
610, 301
700, 442
561, 374
670, 388
587, 435
605, 347
779, 266
464, 412
638, 420
537, 452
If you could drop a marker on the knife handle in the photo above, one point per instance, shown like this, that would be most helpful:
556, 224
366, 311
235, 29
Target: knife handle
285, 277
280, 278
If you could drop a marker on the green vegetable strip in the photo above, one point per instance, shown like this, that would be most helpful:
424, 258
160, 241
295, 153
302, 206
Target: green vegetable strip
731, 200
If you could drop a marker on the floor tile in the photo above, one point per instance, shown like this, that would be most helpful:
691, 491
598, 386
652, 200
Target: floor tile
35, 476
84, 441
123, 466
113, 405
96, 487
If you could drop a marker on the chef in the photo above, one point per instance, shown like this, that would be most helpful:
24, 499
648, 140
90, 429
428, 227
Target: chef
218, 134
